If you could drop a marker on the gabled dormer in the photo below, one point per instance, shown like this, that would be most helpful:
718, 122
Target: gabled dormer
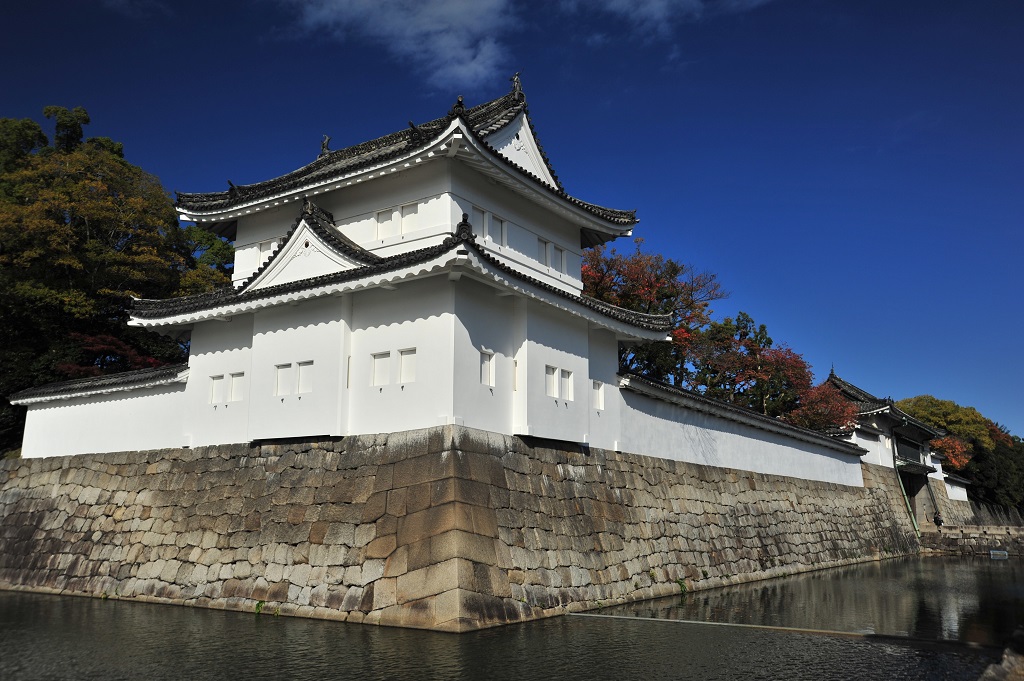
312, 248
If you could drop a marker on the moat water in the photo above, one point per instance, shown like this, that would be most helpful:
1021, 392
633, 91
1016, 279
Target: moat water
932, 618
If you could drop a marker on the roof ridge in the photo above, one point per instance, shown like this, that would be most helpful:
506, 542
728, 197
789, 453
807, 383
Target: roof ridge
113, 379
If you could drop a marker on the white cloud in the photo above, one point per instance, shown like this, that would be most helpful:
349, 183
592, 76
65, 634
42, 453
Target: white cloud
455, 42
458, 43
655, 18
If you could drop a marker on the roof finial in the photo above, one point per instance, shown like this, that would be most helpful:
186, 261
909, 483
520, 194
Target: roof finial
458, 109
325, 146
517, 86
464, 230
232, 189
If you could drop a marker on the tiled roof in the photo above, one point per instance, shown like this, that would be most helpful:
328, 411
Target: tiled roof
866, 403
464, 237
122, 380
481, 120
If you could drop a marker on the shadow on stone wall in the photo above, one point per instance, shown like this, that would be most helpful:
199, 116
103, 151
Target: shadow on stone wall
444, 528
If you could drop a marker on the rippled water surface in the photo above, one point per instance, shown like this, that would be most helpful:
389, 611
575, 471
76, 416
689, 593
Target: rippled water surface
56, 637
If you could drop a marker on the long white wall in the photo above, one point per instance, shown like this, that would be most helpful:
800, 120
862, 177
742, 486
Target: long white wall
147, 418
658, 428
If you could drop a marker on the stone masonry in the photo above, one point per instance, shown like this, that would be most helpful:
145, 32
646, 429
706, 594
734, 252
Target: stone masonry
445, 528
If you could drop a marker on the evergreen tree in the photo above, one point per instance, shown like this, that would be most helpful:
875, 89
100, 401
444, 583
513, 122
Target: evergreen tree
82, 231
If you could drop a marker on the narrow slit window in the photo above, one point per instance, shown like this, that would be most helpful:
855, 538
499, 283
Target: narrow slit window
598, 395
409, 213
558, 259
237, 386
551, 381
216, 389
476, 219
566, 384
306, 377
515, 375
497, 231
283, 380
407, 365
381, 360
385, 223
348, 371
487, 367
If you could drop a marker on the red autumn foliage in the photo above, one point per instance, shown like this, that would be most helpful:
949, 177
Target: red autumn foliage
956, 451
823, 408
103, 354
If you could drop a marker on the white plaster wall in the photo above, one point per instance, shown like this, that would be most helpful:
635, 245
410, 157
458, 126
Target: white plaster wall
526, 223
516, 143
218, 348
956, 492
484, 321
559, 340
147, 418
604, 424
879, 448
311, 331
657, 428
412, 316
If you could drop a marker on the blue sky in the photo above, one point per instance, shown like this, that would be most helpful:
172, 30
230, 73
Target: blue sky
853, 170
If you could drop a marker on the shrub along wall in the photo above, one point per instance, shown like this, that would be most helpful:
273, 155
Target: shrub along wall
445, 528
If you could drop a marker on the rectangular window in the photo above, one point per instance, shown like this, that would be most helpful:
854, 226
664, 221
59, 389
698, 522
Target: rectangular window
498, 233
306, 377
551, 381
543, 252
409, 218
385, 223
237, 386
558, 261
476, 219
216, 389
598, 395
515, 375
283, 379
566, 387
348, 371
381, 365
487, 367
407, 365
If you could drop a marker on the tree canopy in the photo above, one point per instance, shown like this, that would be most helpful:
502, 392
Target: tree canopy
733, 360
976, 447
81, 232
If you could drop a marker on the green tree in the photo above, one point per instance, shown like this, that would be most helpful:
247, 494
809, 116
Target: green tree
986, 453
81, 232
736, 361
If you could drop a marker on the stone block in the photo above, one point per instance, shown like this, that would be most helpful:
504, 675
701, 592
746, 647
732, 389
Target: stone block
317, 532
381, 547
426, 523
433, 579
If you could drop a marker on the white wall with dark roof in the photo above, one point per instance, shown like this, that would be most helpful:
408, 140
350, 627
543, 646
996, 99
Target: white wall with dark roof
144, 418
658, 428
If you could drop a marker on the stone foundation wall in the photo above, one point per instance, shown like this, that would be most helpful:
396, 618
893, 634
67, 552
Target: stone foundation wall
446, 528
973, 541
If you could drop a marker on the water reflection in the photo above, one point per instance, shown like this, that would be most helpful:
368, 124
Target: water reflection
51, 637
973, 600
